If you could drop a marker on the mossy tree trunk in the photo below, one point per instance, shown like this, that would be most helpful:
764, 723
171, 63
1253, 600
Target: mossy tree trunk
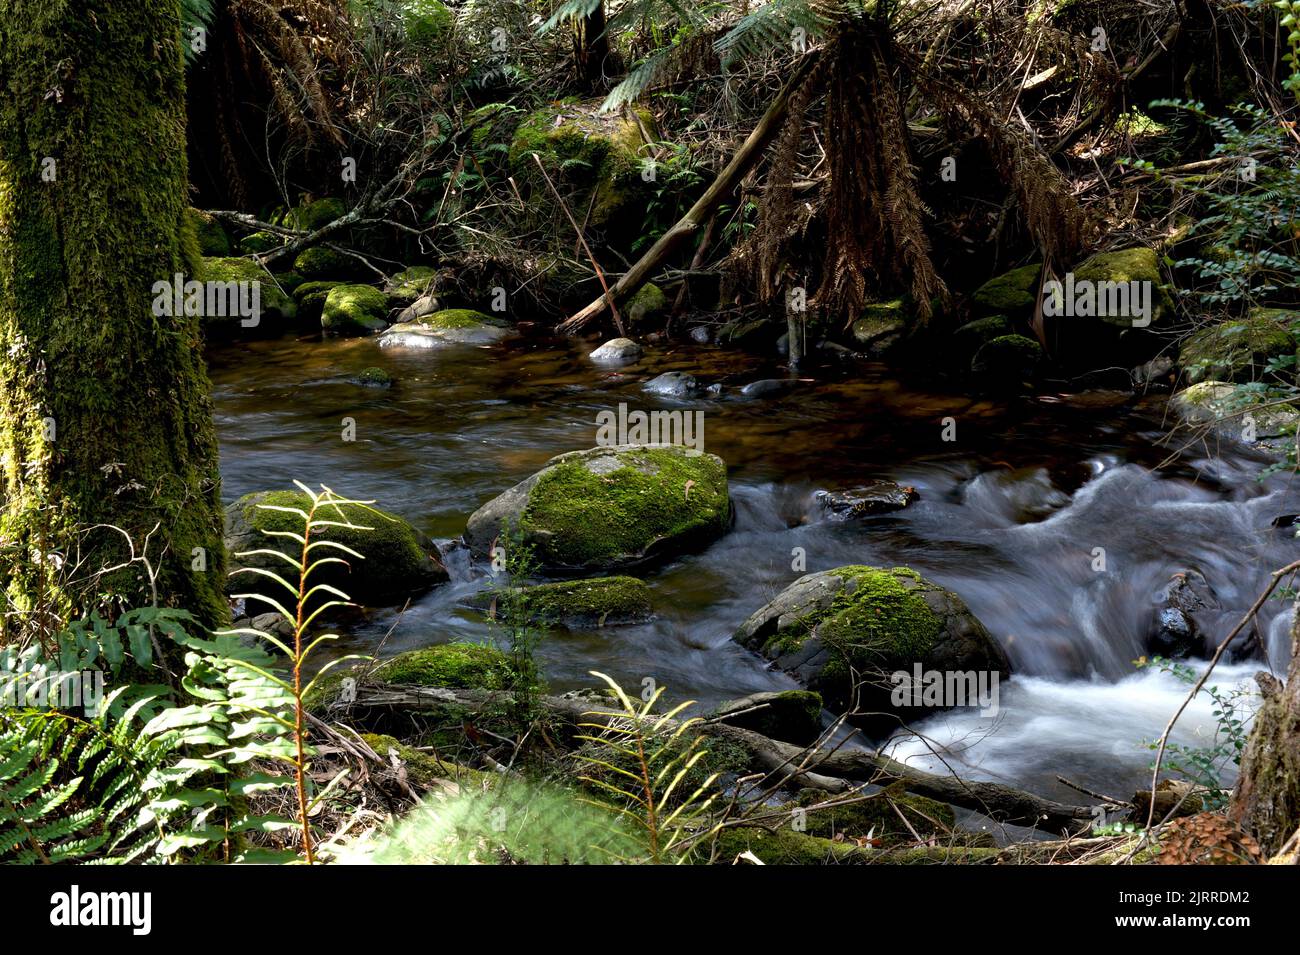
1267, 799
105, 415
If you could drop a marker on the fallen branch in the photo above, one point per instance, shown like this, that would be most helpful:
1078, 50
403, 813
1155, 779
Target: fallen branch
833, 767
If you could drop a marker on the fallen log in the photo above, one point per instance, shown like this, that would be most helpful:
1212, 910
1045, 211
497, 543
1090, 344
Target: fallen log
835, 770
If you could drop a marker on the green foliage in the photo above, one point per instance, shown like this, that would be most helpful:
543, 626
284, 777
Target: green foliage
1249, 247
1204, 766
643, 764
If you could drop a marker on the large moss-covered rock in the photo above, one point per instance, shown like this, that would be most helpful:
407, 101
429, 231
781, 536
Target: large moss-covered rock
794, 716
1010, 293
1234, 413
647, 305
320, 262
594, 602
354, 310
212, 237
260, 242
579, 146
1127, 265
395, 561
967, 339
1008, 358
1239, 350
314, 214
611, 507
277, 307
450, 326
462, 666
783, 845
866, 623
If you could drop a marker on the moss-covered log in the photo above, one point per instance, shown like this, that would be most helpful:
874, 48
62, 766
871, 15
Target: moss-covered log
105, 414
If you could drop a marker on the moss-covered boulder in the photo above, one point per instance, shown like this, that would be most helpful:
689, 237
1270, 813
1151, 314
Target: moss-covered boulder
451, 326
594, 602
277, 308
314, 214
967, 339
581, 146
310, 297
784, 845
373, 377
1010, 293
862, 623
319, 262
259, 243
647, 306
1239, 350
408, 285
461, 666
610, 507
1227, 411
794, 716
1124, 266
354, 310
212, 237
395, 561
1008, 358
881, 327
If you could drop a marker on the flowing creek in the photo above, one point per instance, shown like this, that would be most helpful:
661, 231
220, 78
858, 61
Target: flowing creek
1009, 517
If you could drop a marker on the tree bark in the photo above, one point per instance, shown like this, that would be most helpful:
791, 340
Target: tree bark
723, 186
105, 412
1266, 803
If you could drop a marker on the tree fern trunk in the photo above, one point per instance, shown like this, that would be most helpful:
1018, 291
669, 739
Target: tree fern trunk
105, 415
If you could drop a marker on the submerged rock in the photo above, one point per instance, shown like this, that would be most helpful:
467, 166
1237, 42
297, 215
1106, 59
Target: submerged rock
595, 602
617, 351
874, 497
452, 326
610, 507
769, 387
1175, 632
354, 310
373, 377
674, 384
395, 560
873, 622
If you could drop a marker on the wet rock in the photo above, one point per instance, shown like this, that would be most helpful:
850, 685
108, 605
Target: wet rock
617, 351
396, 561
674, 384
702, 334
354, 310
769, 387
858, 623
1229, 412
591, 603
426, 304
794, 716
874, 497
881, 327
610, 507
456, 326
1175, 633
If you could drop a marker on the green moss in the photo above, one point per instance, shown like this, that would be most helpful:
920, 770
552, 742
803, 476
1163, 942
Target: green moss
881, 323
311, 216
374, 377
647, 304
876, 816
260, 242
276, 304
211, 236
394, 560
354, 310
785, 846
576, 517
462, 666
450, 318
311, 299
598, 601
1239, 350
409, 284
1011, 356
427, 22
319, 262
972, 335
425, 771
938, 855
1010, 293
1127, 265
878, 621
